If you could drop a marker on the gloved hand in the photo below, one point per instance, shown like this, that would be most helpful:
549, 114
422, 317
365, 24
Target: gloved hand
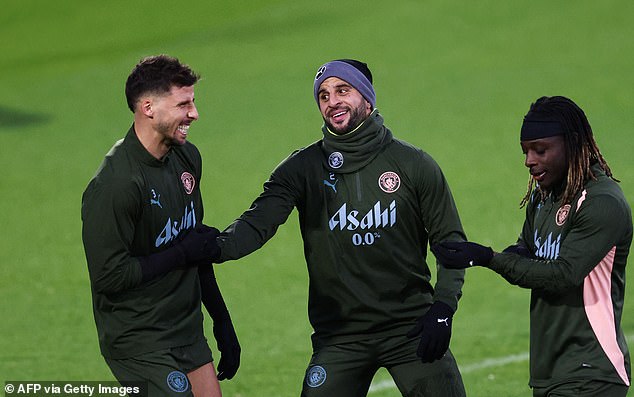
434, 328
460, 255
519, 249
229, 348
199, 245
190, 248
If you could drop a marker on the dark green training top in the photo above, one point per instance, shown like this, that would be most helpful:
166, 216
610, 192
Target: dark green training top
368, 205
135, 206
578, 286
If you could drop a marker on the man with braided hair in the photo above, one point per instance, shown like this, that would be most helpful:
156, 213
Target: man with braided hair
571, 253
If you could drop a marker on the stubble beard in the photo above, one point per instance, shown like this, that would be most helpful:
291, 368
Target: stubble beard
357, 116
166, 130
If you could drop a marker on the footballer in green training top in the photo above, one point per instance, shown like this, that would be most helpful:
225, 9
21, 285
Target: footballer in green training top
571, 253
149, 254
368, 206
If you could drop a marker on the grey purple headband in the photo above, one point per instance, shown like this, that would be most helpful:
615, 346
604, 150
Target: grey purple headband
348, 73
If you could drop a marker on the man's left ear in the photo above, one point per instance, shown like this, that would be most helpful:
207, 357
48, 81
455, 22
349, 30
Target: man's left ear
146, 108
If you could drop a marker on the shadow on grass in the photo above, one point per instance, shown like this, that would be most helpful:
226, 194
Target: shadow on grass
14, 118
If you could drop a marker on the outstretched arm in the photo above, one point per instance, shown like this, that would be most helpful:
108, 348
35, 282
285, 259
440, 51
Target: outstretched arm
593, 237
269, 210
189, 249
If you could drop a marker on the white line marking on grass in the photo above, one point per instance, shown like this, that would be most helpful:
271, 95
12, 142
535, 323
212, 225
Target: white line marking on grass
382, 385
486, 363
494, 362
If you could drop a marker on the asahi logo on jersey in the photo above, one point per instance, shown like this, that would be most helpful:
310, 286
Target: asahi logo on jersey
376, 217
335, 160
172, 228
562, 215
547, 248
389, 182
188, 182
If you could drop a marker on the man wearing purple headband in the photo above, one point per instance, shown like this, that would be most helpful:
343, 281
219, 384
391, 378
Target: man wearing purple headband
571, 254
368, 206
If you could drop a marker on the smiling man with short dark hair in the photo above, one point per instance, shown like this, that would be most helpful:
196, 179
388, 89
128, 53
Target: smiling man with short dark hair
368, 205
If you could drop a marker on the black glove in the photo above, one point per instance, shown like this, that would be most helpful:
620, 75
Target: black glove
460, 255
190, 248
434, 328
224, 333
229, 349
199, 245
519, 249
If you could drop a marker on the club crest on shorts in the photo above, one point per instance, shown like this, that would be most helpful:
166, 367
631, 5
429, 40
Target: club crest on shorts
315, 376
177, 381
389, 182
562, 215
335, 160
188, 182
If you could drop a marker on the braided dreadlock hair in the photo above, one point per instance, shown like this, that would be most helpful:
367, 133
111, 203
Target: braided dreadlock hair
581, 149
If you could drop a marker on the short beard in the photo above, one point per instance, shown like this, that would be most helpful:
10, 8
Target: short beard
165, 129
357, 116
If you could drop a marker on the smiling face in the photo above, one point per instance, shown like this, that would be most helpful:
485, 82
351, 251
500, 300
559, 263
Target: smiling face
173, 114
547, 162
341, 105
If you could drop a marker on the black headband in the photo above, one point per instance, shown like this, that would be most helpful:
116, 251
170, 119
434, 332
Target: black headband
532, 130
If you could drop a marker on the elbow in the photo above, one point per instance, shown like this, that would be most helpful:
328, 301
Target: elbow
107, 285
114, 282
561, 282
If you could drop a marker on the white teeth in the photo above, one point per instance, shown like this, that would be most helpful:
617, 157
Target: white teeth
183, 128
339, 114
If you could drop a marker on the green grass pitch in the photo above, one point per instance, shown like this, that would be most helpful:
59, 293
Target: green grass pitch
454, 78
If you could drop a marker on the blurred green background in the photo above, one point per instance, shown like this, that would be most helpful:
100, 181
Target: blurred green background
452, 77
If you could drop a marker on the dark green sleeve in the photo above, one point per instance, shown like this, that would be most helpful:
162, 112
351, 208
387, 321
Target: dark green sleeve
442, 222
109, 213
260, 222
598, 227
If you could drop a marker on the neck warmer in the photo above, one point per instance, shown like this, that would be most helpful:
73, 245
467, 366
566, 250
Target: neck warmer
354, 150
